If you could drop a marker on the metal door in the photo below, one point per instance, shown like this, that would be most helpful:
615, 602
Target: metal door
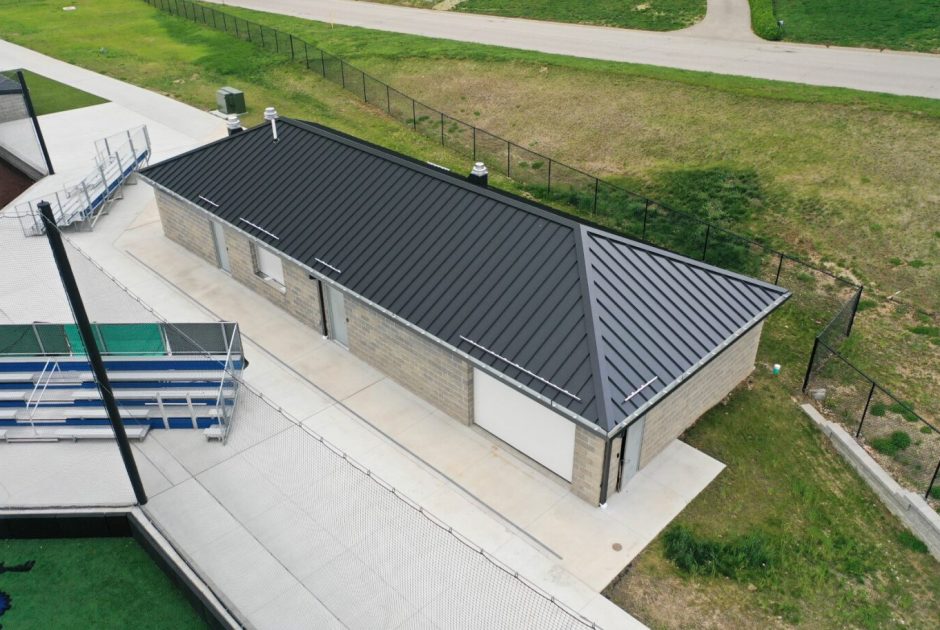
337, 310
221, 251
630, 452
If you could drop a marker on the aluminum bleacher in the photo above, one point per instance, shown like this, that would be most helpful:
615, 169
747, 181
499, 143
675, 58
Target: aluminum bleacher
82, 204
164, 376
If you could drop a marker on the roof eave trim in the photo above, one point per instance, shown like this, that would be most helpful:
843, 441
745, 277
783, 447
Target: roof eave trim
662, 394
543, 400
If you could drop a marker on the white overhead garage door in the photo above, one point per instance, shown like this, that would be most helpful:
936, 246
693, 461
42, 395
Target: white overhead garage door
528, 426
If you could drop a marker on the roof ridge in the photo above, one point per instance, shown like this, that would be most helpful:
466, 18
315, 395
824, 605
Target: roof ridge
604, 411
426, 168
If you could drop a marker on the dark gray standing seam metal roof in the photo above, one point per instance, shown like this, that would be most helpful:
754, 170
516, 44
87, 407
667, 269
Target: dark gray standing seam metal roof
587, 315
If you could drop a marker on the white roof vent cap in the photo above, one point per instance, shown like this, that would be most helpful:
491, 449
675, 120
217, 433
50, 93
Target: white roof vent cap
271, 114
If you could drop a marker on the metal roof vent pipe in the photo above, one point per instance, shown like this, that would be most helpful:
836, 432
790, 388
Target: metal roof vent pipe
271, 114
479, 175
234, 124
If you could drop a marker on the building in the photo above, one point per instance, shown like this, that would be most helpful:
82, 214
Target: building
583, 350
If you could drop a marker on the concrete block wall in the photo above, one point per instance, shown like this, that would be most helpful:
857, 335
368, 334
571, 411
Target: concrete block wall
300, 295
413, 360
706, 388
188, 227
588, 464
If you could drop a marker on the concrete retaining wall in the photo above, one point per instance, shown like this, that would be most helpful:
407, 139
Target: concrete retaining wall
910, 508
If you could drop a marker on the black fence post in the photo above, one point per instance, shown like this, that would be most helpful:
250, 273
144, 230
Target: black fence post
224, 23
594, 207
342, 72
322, 63
858, 298
508, 159
549, 176
414, 116
306, 57
809, 368
261, 29
365, 96
442, 128
779, 269
237, 34
291, 40
932, 480
91, 349
871, 393
646, 211
708, 231
388, 99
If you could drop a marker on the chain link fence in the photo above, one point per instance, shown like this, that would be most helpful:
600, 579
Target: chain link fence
817, 292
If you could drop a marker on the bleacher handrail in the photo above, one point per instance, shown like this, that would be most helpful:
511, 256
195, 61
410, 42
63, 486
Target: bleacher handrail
84, 200
45, 377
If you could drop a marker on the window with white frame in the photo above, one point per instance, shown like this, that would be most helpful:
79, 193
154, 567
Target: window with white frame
268, 265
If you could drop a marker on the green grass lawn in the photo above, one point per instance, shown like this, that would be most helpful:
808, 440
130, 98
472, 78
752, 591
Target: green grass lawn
845, 178
898, 25
51, 96
649, 15
833, 556
90, 583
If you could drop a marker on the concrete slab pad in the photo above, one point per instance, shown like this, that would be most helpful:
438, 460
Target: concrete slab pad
295, 608
244, 570
189, 515
336, 371
357, 595
294, 538
392, 407
237, 485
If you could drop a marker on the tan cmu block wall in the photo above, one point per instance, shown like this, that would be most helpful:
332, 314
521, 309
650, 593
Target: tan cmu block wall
190, 228
299, 296
700, 393
588, 465
437, 375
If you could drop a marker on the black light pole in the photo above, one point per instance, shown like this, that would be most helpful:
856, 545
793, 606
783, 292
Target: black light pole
91, 347
32, 114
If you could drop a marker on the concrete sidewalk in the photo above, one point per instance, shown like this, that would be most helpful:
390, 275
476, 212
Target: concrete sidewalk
705, 49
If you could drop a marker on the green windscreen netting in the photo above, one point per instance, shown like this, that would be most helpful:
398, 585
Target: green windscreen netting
128, 339
39, 339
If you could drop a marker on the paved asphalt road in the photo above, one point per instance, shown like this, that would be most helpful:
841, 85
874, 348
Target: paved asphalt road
704, 49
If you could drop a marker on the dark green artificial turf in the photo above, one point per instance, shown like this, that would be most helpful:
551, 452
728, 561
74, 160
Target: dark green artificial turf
90, 583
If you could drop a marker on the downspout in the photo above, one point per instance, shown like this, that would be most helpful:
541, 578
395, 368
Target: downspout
605, 475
